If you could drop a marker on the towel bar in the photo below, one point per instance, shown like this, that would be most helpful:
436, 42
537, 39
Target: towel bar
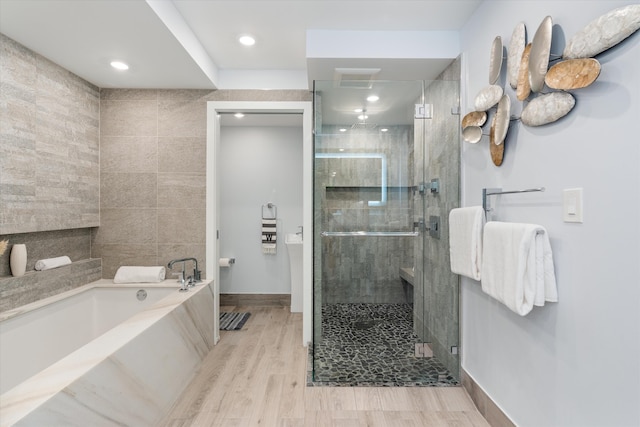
486, 204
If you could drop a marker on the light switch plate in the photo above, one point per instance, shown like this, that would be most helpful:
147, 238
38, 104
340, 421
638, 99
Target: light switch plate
572, 205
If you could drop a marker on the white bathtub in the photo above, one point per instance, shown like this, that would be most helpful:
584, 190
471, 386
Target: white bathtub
99, 356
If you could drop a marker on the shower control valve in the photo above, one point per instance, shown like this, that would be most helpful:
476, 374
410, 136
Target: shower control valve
433, 226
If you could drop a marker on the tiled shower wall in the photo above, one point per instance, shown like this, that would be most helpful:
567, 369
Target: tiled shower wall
436, 301
364, 269
152, 181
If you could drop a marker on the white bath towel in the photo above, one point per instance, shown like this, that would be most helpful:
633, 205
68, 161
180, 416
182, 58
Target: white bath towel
134, 274
49, 263
465, 241
517, 265
269, 232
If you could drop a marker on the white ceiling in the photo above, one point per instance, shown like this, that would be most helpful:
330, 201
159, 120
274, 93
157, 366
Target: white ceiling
193, 43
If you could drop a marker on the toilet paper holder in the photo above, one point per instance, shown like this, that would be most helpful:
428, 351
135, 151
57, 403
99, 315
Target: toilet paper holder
226, 262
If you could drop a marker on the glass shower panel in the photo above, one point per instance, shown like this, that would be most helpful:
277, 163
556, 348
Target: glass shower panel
365, 209
439, 291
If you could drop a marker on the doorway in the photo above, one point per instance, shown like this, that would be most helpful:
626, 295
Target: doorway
214, 182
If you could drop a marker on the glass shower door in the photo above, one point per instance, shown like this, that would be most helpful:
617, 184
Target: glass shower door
367, 227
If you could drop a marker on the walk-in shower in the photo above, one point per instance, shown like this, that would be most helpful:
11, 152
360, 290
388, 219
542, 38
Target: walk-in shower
386, 175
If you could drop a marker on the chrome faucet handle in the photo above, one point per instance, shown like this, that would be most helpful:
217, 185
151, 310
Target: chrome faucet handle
185, 282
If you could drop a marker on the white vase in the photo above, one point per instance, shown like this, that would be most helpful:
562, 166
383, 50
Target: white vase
18, 260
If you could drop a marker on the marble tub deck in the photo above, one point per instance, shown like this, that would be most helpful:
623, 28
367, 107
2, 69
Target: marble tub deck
129, 375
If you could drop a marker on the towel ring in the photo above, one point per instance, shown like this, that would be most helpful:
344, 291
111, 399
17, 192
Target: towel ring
270, 207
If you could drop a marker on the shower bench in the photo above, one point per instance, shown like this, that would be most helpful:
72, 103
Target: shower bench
407, 275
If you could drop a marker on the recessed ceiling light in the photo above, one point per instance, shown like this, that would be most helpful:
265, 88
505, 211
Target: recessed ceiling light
363, 117
239, 115
343, 129
119, 65
373, 98
384, 130
247, 40
358, 110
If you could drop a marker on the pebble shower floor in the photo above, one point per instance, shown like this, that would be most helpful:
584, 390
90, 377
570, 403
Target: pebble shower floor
371, 345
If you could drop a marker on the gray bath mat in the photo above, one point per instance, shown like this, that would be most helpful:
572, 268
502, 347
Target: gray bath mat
233, 321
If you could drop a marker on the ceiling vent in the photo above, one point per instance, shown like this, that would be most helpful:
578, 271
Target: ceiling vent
355, 78
363, 125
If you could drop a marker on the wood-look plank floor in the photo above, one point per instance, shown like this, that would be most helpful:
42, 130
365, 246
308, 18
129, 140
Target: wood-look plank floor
257, 376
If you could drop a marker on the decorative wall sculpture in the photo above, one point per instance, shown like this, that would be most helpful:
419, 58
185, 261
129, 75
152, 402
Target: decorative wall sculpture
528, 73
495, 62
516, 49
539, 55
488, 97
547, 108
573, 74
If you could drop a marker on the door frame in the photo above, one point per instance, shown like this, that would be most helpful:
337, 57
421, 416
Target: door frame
213, 196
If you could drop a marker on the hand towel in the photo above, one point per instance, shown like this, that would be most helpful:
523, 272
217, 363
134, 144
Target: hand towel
465, 241
49, 263
269, 236
517, 265
132, 274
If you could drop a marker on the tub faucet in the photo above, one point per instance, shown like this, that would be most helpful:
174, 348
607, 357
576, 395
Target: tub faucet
187, 281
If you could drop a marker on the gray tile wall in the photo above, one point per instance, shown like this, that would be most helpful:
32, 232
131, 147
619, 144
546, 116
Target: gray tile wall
49, 145
363, 269
37, 285
58, 132
49, 172
153, 170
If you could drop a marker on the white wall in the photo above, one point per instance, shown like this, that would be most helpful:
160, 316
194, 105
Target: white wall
258, 165
575, 362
